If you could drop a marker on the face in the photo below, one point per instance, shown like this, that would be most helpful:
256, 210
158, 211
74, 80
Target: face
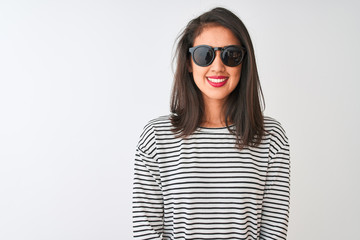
217, 80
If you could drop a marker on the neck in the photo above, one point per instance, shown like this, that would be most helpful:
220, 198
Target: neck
214, 115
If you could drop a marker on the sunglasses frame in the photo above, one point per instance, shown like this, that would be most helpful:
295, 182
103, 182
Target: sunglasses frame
214, 49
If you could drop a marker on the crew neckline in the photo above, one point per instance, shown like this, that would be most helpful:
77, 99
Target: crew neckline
217, 127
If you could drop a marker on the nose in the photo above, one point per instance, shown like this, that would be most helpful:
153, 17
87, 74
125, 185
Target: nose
217, 65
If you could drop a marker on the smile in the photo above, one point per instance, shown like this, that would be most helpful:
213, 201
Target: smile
217, 81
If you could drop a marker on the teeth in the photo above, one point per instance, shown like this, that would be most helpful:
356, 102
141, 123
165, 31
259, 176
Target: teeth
215, 80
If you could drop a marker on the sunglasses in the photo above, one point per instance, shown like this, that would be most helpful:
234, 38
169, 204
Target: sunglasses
204, 55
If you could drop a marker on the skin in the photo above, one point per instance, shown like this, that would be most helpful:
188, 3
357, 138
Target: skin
215, 97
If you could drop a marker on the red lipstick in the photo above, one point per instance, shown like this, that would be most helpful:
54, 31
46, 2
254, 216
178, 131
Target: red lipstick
217, 81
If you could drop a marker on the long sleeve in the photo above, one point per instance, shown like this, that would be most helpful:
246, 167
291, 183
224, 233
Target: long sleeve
276, 202
147, 193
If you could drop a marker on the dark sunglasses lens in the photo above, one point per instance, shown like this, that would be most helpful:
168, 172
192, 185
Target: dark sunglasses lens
232, 56
203, 56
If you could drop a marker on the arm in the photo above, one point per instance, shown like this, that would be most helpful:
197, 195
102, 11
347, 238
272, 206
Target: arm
147, 194
275, 211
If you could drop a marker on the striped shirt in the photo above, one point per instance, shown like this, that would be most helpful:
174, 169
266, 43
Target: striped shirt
203, 187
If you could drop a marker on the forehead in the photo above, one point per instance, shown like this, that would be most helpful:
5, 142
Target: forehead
216, 36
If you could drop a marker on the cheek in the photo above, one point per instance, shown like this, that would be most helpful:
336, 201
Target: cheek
236, 73
199, 72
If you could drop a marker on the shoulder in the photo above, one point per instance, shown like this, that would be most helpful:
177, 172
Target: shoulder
276, 131
273, 125
152, 128
161, 123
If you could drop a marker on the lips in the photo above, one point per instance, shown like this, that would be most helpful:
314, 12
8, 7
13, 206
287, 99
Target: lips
217, 81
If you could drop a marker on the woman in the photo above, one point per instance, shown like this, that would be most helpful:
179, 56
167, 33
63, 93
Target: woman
215, 168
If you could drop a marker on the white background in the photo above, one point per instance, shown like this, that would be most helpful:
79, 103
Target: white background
79, 80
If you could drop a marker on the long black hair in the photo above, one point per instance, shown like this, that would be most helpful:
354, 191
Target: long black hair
243, 105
